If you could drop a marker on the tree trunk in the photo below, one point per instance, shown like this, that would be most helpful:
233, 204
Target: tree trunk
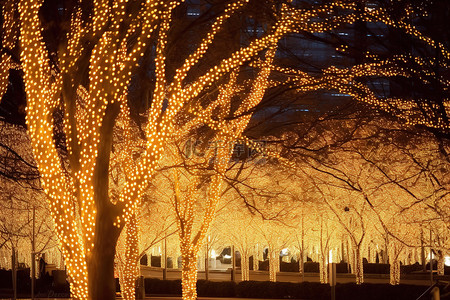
14, 272
394, 260
256, 259
359, 271
440, 263
245, 267
100, 260
274, 261
189, 276
351, 259
301, 263
323, 268
422, 252
129, 268
394, 271
386, 250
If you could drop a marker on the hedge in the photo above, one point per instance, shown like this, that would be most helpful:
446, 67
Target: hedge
287, 290
46, 286
23, 279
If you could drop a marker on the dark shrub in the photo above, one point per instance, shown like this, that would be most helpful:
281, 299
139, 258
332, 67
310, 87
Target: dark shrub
216, 289
369, 291
23, 279
342, 268
280, 290
311, 267
411, 268
5, 279
157, 286
256, 289
289, 266
288, 290
44, 284
376, 268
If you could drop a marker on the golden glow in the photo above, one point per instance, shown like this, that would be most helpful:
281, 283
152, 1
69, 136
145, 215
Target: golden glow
71, 188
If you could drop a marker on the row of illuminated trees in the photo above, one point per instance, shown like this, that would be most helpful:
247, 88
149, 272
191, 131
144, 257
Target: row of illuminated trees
97, 155
344, 206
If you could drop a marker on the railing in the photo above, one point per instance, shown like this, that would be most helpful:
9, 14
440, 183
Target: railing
435, 293
427, 290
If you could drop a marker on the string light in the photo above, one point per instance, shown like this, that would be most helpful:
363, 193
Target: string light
9, 38
71, 191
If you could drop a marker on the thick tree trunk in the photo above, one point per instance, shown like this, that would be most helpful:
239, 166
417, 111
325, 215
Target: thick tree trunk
359, 270
394, 271
323, 268
245, 267
189, 276
129, 266
274, 262
100, 260
394, 260
301, 263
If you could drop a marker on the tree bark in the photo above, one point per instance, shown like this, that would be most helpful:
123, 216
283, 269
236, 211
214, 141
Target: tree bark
301, 263
100, 260
129, 268
189, 276
274, 262
440, 262
394, 272
256, 259
394, 260
359, 270
245, 267
323, 268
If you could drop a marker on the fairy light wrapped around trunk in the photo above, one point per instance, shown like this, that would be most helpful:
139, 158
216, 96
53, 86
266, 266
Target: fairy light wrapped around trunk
395, 250
323, 268
245, 266
127, 258
359, 267
103, 54
88, 220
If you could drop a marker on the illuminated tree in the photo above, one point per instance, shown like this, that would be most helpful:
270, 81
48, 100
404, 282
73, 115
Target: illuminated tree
440, 244
192, 235
324, 242
354, 217
301, 234
259, 185
397, 248
16, 220
144, 231
20, 188
306, 218
395, 60
127, 258
90, 84
25, 229
372, 157
9, 31
274, 230
17, 163
234, 222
